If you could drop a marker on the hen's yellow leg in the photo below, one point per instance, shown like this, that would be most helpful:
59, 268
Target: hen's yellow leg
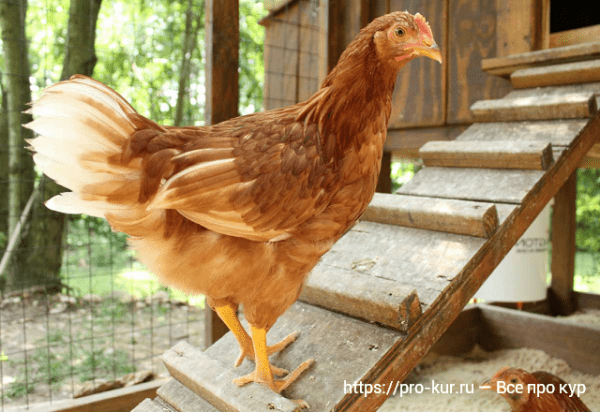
262, 373
229, 316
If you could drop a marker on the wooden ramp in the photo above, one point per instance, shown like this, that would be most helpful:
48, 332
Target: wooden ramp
379, 300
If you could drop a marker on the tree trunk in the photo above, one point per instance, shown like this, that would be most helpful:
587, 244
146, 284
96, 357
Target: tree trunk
45, 237
190, 41
20, 164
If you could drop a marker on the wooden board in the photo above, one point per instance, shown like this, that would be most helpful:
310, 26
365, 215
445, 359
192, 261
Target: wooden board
419, 98
578, 345
555, 132
472, 36
498, 154
418, 259
535, 106
575, 36
149, 406
504, 66
183, 399
560, 74
345, 350
213, 382
406, 143
487, 185
443, 215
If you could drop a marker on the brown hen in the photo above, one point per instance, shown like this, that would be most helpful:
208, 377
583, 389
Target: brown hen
242, 210
553, 396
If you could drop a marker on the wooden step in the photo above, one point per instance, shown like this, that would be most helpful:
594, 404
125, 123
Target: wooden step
212, 381
498, 154
182, 399
148, 405
443, 215
560, 74
504, 66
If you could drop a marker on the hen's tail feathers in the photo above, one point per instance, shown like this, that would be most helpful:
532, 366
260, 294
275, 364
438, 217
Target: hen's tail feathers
82, 126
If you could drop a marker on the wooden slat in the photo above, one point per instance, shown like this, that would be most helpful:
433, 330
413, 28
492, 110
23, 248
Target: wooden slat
444, 215
418, 259
578, 345
345, 350
575, 36
406, 143
487, 185
148, 406
213, 381
540, 107
498, 154
182, 399
556, 132
504, 66
560, 74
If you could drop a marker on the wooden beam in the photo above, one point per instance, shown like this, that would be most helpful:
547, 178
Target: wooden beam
563, 248
222, 92
559, 74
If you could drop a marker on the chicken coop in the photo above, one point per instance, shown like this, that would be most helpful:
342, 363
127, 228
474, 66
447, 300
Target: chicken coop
506, 124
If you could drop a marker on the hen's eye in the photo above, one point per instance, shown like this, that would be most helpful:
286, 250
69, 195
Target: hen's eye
513, 380
400, 32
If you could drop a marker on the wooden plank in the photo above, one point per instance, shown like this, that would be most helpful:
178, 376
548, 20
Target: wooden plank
487, 185
575, 36
541, 107
117, 400
183, 399
345, 351
555, 132
564, 225
405, 354
560, 74
462, 335
212, 381
419, 97
444, 215
515, 27
406, 143
578, 345
504, 66
148, 406
587, 300
472, 37
498, 154
418, 259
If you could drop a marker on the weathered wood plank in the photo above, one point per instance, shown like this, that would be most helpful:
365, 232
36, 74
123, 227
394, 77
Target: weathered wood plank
428, 106
183, 399
148, 406
504, 66
419, 259
472, 36
487, 185
535, 107
556, 132
345, 350
406, 143
574, 36
213, 382
444, 215
560, 74
562, 267
498, 154
578, 345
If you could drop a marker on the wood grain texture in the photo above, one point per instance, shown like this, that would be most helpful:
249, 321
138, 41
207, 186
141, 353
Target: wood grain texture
535, 107
498, 154
487, 185
560, 74
183, 399
406, 143
212, 381
555, 132
443, 215
515, 27
504, 66
345, 350
471, 38
148, 406
575, 36
420, 95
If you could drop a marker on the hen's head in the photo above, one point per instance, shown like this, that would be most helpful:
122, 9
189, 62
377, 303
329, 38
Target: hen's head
510, 390
401, 36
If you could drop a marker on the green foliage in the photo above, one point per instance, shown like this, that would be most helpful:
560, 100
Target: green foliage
402, 172
588, 210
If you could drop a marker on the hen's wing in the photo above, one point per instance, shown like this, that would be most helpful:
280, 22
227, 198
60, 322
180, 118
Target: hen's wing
567, 403
255, 177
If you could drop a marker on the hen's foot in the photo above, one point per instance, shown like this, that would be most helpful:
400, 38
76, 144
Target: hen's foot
248, 352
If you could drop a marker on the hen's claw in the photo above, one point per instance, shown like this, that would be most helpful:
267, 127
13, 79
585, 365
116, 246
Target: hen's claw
248, 353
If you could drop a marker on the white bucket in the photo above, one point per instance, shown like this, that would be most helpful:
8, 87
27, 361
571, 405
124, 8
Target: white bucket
521, 276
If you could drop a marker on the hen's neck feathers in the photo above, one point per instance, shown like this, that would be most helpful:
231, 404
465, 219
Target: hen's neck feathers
354, 102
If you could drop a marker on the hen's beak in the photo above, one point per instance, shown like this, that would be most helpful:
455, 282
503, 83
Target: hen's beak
488, 385
433, 52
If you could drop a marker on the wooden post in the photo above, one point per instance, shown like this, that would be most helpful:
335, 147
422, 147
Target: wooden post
563, 248
222, 92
